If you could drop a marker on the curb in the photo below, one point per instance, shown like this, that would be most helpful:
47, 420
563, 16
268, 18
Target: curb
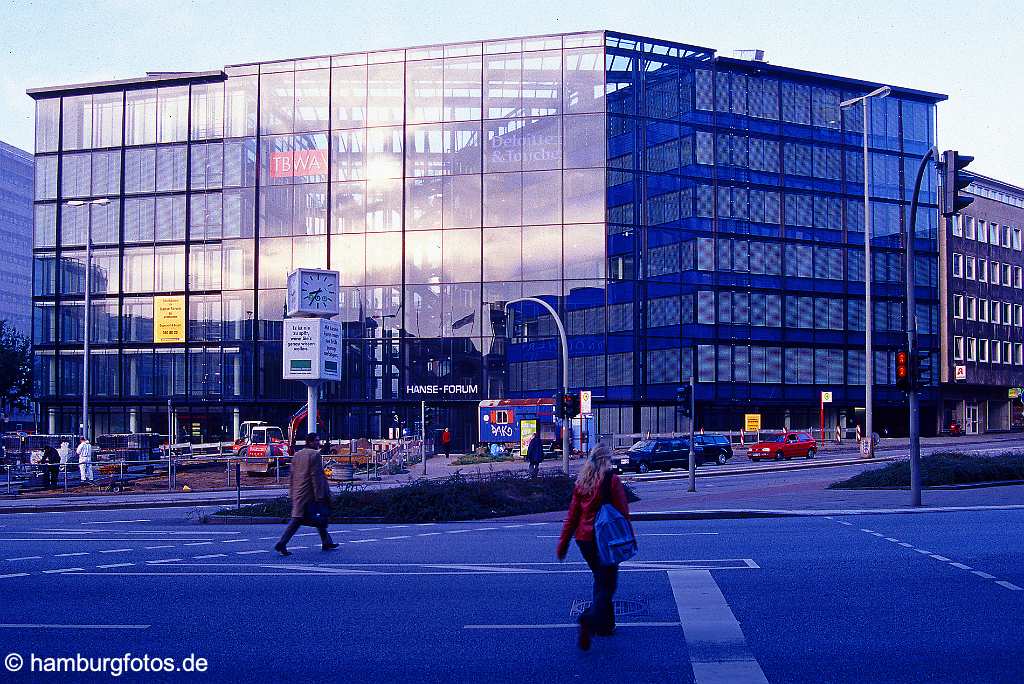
125, 505
740, 514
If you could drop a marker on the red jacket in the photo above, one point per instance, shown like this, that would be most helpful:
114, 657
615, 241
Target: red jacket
584, 509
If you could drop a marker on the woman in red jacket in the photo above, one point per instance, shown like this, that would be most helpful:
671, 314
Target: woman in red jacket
595, 481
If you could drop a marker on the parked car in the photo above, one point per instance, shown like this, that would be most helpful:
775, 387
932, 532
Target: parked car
712, 449
785, 446
664, 453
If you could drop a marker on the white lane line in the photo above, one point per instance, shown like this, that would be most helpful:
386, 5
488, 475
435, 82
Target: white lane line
983, 575
878, 534
205, 543
401, 536
457, 531
938, 557
396, 527
843, 522
116, 565
429, 534
25, 558
362, 541
961, 566
51, 626
60, 570
247, 553
718, 650
212, 555
15, 574
76, 553
485, 529
115, 551
927, 553
905, 544
163, 560
1009, 585
268, 537
649, 534
509, 527
571, 625
235, 541
891, 539
536, 524
864, 529
165, 546
114, 522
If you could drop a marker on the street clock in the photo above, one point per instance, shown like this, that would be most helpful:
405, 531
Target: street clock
312, 292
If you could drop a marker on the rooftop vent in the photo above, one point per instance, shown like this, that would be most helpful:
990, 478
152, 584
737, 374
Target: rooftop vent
751, 55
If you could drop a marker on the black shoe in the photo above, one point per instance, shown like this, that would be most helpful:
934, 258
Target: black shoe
583, 640
330, 547
282, 550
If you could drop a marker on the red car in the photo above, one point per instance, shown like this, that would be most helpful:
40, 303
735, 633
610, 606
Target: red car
785, 446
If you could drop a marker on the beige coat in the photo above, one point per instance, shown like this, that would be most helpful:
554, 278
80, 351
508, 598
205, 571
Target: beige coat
307, 482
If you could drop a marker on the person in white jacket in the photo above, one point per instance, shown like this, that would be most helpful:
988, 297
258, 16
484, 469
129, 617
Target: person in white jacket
64, 451
84, 453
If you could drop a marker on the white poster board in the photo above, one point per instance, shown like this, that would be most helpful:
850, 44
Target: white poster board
312, 349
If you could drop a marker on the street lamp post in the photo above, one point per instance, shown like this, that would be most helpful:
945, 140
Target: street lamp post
565, 368
88, 304
868, 354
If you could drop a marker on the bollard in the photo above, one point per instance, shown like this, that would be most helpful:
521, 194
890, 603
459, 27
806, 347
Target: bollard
238, 484
8, 480
65, 479
277, 470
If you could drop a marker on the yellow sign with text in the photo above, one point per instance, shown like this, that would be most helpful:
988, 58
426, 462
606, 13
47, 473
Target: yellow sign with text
527, 428
169, 319
752, 422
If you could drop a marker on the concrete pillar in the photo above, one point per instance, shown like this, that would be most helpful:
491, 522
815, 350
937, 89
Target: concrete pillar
133, 420
51, 421
236, 422
786, 420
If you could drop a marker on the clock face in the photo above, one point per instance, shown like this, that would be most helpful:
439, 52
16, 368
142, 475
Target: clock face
319, 291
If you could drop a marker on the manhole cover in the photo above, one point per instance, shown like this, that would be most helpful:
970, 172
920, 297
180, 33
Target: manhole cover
631, 607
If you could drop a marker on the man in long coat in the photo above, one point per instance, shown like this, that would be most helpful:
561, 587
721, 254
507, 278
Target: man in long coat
310, 494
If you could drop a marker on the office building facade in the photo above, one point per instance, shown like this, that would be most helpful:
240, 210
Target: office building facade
983, 305
16, 237
687, 214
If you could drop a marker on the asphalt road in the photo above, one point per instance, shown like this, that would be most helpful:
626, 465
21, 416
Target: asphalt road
929, 597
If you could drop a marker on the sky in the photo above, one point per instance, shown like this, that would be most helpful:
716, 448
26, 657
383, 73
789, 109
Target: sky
971, 51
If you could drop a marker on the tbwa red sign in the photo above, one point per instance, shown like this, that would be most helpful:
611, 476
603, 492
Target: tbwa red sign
298, 163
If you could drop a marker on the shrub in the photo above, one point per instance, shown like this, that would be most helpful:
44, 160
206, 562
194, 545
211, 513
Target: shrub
458, 497
943, 468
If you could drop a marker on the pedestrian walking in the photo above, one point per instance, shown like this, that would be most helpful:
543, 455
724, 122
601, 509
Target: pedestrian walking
311, 496
50, 461
535, 454
446, 442
839, 433
596, 485
84, 453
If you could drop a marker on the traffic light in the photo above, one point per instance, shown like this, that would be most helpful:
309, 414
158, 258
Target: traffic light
559, 405
572, 405
428, 418
921, 368
953, 181
684, 397
903, 375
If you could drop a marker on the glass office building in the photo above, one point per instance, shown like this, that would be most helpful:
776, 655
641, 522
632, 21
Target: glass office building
16, 237
687, 214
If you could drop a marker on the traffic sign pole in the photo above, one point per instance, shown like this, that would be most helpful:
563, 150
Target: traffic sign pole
693, 457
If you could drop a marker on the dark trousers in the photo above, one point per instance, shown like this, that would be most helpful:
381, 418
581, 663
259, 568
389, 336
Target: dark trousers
448, 450
534, 468
600, 616
293, 526
50, 476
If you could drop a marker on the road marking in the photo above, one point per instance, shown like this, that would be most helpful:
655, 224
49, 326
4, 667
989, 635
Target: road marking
536, 524
395, 527
718, 650
49, 626
115, 550
927, 553
457, 531
114, 522
905, 544
60, 570
649, 534
76, 553
429, 534
168, 546
362, 541
509, 527
571, 625
891, 539
246, 553
116, 565
843, 522
401, 536
212, 555
878, 534
984, 575
938, 557
1009, 585
235, 541
961, 566
205, 543
25, 558
164, 560
485, 529
268, 537
15, 574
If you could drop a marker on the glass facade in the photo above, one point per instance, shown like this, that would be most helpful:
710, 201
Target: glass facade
16, 237
686, 214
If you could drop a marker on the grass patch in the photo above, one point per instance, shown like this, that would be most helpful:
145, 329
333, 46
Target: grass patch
480, 459
457, 497
943, 468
